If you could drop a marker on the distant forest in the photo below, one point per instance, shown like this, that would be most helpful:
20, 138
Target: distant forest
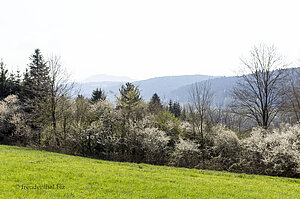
258, 132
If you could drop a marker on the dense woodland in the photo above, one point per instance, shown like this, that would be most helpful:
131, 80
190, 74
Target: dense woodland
258, 133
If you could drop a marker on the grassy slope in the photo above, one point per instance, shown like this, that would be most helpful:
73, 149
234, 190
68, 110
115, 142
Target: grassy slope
89, 178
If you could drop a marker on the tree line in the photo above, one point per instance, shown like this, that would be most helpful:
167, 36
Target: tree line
257, 133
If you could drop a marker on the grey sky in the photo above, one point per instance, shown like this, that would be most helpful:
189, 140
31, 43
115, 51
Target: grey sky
143, 39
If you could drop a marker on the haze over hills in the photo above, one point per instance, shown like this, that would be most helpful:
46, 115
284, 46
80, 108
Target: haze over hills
163, 86
220, 87
175, 88
107, 78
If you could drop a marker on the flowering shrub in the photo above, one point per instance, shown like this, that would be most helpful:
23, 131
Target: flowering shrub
154, 143
225, 149
13, 127
142, 142
99, 136
168, 123
272, 153
220, 151
186, 154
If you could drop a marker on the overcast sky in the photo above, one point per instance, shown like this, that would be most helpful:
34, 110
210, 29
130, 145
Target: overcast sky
143, 39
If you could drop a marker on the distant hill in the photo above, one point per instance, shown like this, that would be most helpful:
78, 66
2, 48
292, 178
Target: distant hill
163, 86
107, 78
220, 87
176, 88
110, 87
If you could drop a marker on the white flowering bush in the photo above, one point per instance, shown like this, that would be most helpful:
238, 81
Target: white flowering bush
142, 142
154, 143
186, 154
101, 141
168, 123
272, 153
220, 150
101, 109
225, 150
13, 128
187, 130
99, 136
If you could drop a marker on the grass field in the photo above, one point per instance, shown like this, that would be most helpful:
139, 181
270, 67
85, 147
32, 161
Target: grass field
27, 173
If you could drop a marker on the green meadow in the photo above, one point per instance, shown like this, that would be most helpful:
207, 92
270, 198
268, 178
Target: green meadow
28, 173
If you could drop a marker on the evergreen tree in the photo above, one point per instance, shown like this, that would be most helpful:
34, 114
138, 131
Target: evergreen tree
170, 106
18, 82
130, 97
97, 95
14, 82
10, 84
129, 101
24, 86
37, 85
175, 108
4, 81
155, 105
35, 92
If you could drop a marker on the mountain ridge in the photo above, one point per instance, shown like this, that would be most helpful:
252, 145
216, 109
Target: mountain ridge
163, 86
107, 78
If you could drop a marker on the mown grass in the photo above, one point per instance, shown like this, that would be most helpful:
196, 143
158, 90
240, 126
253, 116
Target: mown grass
65, 176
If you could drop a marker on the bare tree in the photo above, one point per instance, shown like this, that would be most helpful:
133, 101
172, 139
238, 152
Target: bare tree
224, 116
292, 95
60, 91
201, 98
258, 94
